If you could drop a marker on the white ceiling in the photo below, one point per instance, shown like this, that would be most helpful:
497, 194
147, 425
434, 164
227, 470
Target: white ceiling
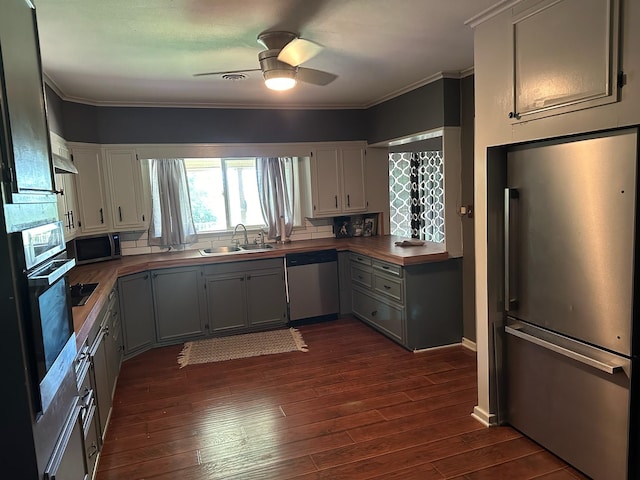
145, 52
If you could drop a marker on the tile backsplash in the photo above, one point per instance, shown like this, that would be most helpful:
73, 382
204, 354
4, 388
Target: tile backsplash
136, 243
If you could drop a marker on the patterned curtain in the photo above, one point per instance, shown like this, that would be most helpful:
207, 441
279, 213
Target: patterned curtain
416, 193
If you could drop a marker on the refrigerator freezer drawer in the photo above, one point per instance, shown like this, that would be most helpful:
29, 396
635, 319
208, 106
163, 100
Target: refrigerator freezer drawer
576, 410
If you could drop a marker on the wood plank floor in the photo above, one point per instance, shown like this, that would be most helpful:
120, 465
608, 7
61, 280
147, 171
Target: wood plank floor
356, 406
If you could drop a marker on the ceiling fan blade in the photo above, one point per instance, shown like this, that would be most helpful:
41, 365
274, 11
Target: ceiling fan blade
226, 72
299, 51
315, 77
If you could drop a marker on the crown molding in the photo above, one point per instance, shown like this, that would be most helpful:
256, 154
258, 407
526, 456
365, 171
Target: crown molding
491, 12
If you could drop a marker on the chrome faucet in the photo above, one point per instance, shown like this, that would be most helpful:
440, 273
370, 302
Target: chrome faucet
246, 238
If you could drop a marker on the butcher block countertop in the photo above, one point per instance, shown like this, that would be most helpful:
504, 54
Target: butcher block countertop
106, 273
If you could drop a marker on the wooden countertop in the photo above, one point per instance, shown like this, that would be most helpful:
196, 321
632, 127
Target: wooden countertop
106, 273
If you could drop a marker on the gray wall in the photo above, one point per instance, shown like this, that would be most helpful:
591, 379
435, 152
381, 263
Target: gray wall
431, 106
434, 105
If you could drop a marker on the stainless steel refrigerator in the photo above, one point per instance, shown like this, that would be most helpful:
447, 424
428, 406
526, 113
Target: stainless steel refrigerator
569, 279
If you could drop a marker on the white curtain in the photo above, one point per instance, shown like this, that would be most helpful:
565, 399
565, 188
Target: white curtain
276, 198
171, 220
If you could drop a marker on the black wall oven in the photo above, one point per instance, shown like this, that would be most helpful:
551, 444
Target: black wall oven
49, 326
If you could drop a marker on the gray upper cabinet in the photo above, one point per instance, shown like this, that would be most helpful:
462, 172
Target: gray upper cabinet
549, 75
136, 309
179, 303
24, 155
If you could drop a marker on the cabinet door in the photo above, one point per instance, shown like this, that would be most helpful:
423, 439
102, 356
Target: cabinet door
136, 309
353, 180
226, 302
325, 166
178, 301
550, 77
266, 300
125, 189
22, 108
94, 216
114, 345
102, 388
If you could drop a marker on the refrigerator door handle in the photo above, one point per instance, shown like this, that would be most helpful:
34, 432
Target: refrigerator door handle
578, 357
510, 295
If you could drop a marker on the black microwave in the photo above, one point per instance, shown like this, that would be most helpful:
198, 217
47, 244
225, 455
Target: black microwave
95, 248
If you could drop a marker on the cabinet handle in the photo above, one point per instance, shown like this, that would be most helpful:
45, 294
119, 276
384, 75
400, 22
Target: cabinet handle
374, 313
93, 450
242, 279
143, 217
360, 277
59, 192
387, 287
73, 221
336, 198
348, 200
146, 277
248, 277
120, 213
101, 216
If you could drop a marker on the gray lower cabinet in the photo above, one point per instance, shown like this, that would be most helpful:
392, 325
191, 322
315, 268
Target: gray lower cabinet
244, 296
104, 355
68, 458
136, 308
180, 304
418, 306
226, 302
115, 346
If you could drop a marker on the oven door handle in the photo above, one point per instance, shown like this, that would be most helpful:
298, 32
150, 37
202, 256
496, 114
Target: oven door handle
48, 279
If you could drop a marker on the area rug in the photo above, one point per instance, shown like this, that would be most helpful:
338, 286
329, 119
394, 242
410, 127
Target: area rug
241, 346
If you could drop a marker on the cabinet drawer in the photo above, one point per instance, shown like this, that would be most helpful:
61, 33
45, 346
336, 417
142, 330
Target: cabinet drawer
362, 259
389, 268
389, 287
360, 275
384, 316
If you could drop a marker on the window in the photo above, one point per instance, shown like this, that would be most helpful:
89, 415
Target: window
416, 195
224, 192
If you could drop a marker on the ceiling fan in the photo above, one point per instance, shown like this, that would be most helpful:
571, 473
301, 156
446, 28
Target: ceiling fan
280, 62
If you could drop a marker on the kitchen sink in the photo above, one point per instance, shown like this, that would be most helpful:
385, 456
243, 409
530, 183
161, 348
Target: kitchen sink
223, 249
256, 246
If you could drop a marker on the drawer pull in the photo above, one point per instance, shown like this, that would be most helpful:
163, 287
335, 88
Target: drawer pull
360, 277
93, 450
385, 267
387, 287
374, 313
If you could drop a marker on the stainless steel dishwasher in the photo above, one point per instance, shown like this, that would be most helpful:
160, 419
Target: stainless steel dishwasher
312, 285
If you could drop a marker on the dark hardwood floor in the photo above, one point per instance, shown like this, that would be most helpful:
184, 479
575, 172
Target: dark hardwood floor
356, 406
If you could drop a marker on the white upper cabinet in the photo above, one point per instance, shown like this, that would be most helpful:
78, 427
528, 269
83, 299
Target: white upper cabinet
110, 189
353, 180
336, 179
90, 186
124, 177
565, 56
66, 190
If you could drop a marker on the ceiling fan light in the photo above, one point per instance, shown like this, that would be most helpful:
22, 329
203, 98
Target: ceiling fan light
280, 79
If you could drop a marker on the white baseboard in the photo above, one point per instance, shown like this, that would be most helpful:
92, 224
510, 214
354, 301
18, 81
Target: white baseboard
469, 344
487, 419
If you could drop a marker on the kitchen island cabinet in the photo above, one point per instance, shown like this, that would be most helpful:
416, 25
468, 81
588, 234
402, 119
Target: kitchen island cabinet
418, 306
180, 308
136, 308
